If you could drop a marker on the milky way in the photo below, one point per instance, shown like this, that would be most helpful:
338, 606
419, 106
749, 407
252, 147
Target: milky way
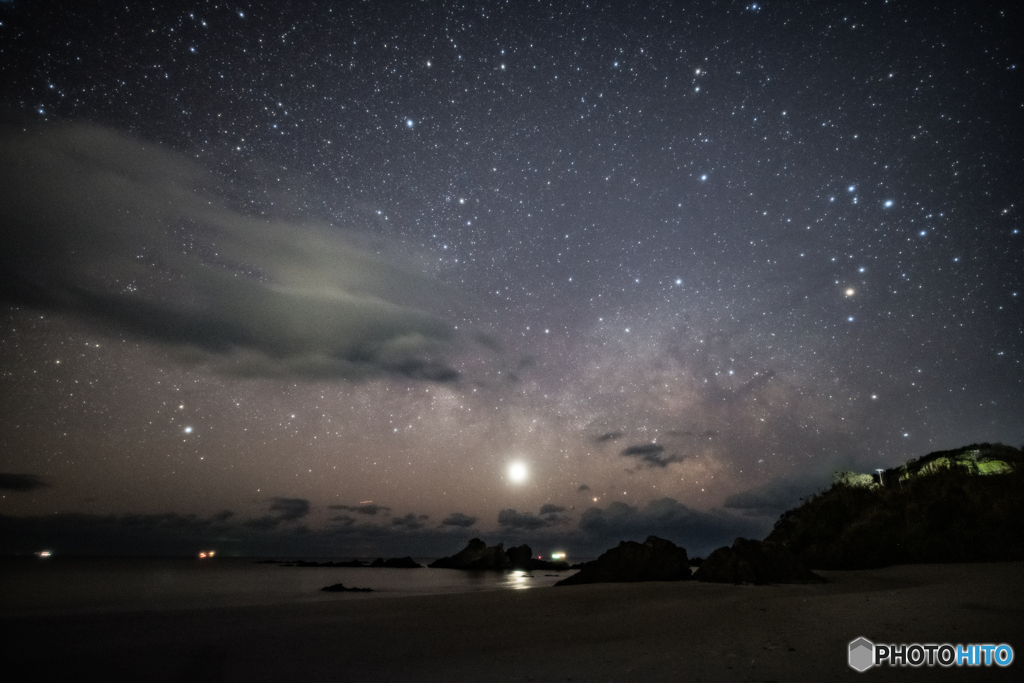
309, 279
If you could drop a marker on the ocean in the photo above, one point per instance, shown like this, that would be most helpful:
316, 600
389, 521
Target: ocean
69, 585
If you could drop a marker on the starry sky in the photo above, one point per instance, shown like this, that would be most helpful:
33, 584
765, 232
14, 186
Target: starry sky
310, 278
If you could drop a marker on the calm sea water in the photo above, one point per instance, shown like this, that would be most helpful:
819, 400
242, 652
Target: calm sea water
75, 585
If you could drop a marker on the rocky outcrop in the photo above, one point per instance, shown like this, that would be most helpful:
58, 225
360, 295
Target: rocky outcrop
476, 555
396, 563
653, 560
340, 588
754, 562
520, 556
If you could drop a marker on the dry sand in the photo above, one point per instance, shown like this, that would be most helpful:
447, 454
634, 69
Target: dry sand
606, 632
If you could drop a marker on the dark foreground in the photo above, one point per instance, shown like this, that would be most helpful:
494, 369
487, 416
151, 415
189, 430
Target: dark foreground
605, 632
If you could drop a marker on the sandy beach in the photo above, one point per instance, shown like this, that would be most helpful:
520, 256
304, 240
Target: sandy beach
606, 632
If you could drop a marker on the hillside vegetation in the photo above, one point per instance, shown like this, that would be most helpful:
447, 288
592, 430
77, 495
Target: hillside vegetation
962, 505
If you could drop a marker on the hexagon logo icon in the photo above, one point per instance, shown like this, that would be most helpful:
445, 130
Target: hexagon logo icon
862, 654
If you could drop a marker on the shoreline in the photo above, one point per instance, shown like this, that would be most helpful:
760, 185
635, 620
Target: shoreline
66, 588
599, 632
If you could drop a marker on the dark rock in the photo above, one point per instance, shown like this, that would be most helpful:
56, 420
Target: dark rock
653, 560
340, 588
476, 555
396, 563
754, 562
519, 556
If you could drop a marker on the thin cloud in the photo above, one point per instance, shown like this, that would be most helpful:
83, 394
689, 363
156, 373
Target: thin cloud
652, 455
290, 508
609, 436
264, 523
21, 483
365, 509
343, 520
511, 519
88, 210
287, 509
410, 521
458, 519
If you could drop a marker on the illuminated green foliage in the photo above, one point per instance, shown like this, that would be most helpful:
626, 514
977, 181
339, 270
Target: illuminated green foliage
950, 506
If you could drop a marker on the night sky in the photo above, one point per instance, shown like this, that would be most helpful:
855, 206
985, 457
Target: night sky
310, 278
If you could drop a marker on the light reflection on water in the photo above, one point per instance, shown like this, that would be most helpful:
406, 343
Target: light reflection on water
64, 585
519, 579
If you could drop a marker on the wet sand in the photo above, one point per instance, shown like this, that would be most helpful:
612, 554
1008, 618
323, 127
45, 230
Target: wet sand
605, 632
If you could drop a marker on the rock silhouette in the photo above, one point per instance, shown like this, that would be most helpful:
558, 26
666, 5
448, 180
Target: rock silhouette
754, 562
478, 555
653, 560
340, 588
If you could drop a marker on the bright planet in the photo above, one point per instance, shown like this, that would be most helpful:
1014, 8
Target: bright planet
518, 473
